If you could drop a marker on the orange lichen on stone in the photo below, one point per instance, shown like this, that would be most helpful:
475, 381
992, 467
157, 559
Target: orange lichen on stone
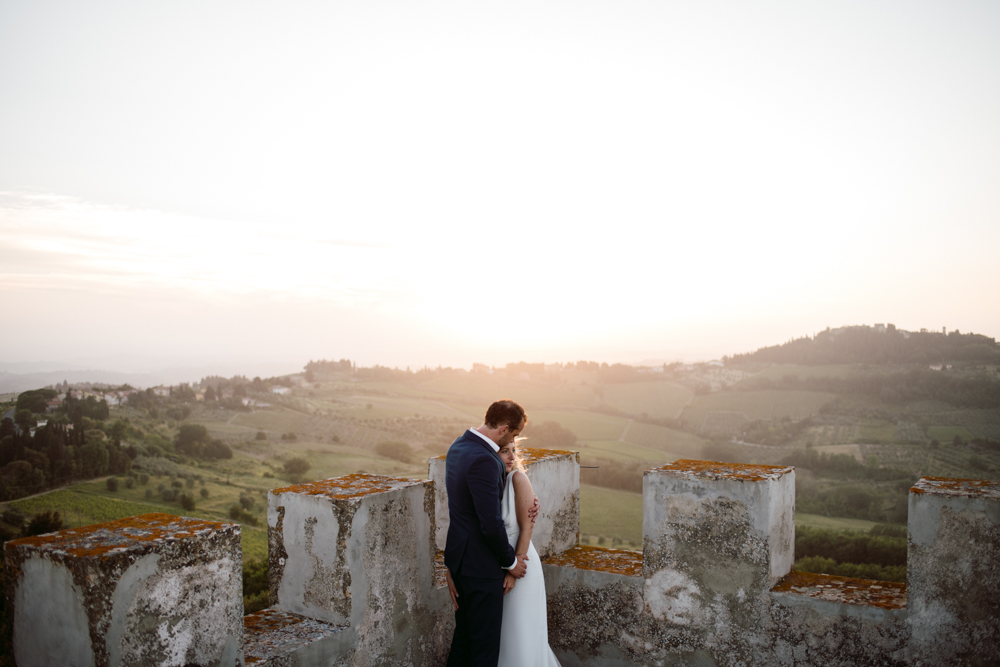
531, 455
349, 486
439, 570
272, 633
113, 537
743, 472
600, 559
956, 486
863, 592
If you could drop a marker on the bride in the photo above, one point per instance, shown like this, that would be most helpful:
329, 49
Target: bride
524, 635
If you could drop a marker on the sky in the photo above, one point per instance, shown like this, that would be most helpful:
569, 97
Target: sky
442, 182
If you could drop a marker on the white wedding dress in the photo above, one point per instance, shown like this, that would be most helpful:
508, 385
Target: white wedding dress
524, 635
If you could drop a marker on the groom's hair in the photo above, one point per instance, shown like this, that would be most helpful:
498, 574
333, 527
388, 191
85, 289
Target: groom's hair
505, 411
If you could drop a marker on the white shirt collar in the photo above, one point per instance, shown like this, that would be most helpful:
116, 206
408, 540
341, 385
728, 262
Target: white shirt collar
494, 445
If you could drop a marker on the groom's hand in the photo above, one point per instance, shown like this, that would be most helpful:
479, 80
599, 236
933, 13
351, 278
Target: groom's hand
533, 511
521, 567
452, 590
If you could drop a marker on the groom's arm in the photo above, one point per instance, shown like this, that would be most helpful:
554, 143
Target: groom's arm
482, 483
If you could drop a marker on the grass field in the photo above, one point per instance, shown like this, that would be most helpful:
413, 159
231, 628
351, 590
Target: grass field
584, 425
481, 390
876, 431
611, 513
655, 399
756, 404
677, 443
623, 451
832, 523
85, 504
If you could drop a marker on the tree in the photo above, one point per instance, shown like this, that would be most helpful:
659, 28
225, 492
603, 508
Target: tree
112, 484
210, 394
25, 419
191, 439
260, 436
187, 502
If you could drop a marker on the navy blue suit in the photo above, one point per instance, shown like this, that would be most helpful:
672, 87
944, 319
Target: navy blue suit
477, 549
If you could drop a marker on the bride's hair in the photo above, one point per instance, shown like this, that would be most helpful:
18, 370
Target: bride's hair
518, 462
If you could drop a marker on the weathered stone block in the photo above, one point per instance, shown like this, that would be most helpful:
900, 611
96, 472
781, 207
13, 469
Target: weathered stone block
555, 477
953, 571
154, 589
359, 550
716, 537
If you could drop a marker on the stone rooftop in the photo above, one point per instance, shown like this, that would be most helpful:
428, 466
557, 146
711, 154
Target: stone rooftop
948, 486
349, 486
743, 472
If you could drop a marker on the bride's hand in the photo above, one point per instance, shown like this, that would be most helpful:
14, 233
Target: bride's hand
508, 583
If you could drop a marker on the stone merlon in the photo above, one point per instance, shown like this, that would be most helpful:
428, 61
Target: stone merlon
356, 579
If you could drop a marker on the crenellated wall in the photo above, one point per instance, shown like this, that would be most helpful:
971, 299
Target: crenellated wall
356, 579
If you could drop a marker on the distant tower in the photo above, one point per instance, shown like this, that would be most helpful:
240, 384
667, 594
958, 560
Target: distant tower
944, 330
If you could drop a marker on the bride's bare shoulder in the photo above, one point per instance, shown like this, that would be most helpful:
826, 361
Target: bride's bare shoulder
521, 481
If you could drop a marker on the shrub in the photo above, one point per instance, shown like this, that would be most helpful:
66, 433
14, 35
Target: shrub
129, 482
260, 436
112, 484
246, 501
395, 449
236, 513
149, 494
297, 466
43, 522
187, 502
168, 495
143, 479
204, 492
255, 586
177, 484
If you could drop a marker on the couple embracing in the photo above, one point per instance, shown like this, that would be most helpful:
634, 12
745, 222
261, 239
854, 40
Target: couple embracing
494, 573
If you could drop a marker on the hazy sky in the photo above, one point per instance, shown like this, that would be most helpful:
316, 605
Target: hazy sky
435, 182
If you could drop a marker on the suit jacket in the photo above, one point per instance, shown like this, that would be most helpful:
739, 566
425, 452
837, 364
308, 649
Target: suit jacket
477, 543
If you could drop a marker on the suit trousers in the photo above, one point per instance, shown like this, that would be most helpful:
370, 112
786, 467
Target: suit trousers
477, 622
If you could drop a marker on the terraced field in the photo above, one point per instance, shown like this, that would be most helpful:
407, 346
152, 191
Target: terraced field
623, 451
656, 399
828, 434
275, 421
677, 443
585, 426
772, 404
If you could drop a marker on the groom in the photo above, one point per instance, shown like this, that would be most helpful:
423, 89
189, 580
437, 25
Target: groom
477, 552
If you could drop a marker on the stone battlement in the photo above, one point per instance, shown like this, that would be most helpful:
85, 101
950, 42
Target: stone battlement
356, 579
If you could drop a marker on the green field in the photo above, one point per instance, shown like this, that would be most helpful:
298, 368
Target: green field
584, 425
85, 504
611, 513
655, 399
623, 451
771, 404
832, 523
680, 444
